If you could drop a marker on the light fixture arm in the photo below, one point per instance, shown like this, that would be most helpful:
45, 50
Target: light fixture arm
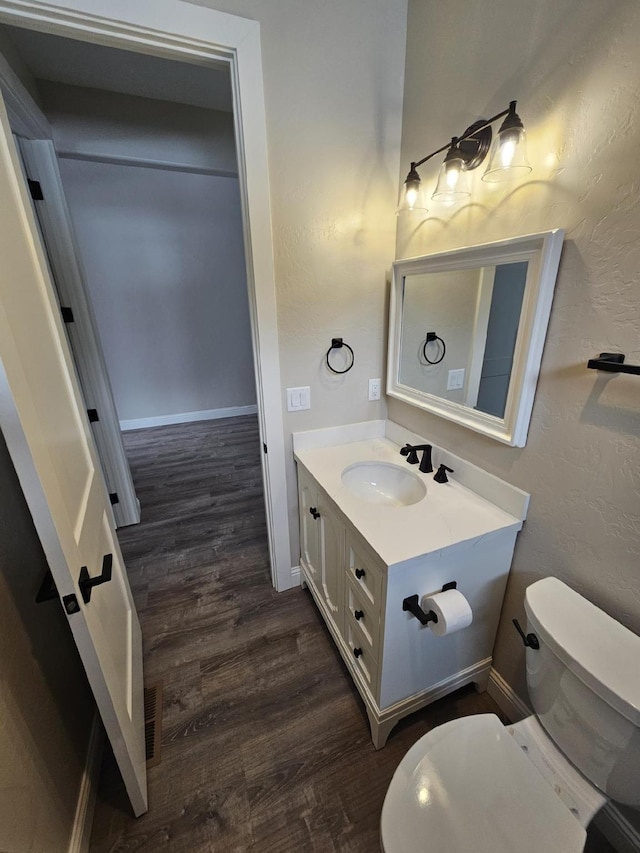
464, 154
469, 132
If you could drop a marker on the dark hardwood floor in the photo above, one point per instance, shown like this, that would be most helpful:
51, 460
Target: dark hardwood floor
265, 742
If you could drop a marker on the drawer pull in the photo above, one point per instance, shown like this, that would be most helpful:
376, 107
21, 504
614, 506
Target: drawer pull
360, 573
358, 614
357, 652
314, 512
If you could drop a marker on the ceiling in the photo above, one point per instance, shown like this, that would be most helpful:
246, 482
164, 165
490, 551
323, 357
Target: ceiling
78, 63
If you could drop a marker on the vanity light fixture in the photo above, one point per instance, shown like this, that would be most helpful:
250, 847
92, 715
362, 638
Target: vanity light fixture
452, 181
465, 153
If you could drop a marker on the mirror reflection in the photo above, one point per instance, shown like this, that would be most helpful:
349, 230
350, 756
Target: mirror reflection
459, 330
467, 329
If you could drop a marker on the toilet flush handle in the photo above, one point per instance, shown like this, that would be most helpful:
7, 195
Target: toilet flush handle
530, 640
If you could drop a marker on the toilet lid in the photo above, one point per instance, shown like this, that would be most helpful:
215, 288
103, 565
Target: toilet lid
467, 787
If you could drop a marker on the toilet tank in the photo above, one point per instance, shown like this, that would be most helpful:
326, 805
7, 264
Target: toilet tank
584, 684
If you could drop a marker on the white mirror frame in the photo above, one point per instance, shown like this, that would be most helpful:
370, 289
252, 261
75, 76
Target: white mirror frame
542, 251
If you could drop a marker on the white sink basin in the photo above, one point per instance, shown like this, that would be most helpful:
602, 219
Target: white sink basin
383, 483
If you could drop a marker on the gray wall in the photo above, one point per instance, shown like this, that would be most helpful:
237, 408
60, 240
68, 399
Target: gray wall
14, 60
162, 250
46, 708
92, 121
575, 67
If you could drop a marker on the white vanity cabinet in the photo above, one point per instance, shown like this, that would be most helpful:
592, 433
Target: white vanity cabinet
344, 578
322, 547
363, 596
361, 561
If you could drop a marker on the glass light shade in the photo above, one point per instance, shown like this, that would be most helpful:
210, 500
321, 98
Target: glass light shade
412, 196
452, 183
508, 157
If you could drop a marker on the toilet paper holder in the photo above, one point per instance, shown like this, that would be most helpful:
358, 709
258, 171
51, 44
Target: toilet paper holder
411, 605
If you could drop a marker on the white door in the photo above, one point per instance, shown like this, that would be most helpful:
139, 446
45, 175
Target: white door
47, 433
41, 165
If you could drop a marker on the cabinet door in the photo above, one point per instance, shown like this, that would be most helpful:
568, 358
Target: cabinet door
309, 527
331, 559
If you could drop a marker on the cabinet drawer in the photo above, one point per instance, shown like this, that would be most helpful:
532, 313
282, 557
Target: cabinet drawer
361, 612
364, 573
362, 656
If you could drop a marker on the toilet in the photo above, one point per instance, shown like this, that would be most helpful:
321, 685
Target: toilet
474, 784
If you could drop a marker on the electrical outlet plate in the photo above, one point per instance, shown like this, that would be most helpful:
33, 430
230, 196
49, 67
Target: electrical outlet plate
374, 389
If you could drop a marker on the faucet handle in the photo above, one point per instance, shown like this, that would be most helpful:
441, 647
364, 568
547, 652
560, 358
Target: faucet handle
411, 453
441, 474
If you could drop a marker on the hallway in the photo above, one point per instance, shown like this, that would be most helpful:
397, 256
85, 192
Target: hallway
265, 742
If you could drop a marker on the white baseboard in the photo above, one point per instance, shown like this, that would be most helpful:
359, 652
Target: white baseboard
508, 701
618, 831
83, 820
187, 417
296, 576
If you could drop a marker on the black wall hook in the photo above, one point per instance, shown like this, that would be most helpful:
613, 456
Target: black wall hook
338, 343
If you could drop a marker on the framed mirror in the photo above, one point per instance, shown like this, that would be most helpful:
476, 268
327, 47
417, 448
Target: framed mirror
467, 329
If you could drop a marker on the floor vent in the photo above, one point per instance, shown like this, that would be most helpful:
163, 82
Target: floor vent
153, 722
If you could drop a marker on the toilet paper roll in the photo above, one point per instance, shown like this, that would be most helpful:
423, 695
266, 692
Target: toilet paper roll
452, 609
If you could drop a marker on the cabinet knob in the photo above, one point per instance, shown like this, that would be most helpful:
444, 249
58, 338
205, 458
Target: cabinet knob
357, 652
360, 573
314, 512
358, 614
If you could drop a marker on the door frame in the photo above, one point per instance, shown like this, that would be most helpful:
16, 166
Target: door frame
181, 31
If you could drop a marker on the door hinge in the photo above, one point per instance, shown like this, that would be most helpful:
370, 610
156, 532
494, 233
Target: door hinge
264, 446
35, 189
113, 497
93, 415
67, 314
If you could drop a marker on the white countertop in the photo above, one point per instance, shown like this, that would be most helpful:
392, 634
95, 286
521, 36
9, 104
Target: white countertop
449, 513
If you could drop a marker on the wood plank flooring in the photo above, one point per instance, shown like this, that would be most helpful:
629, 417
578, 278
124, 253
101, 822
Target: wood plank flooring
266, 744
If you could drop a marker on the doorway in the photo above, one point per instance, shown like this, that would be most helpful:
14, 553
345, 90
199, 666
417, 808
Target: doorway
169, 30
139, 208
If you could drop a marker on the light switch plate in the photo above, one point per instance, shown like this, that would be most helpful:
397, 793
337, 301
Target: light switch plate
298, 399
455, 379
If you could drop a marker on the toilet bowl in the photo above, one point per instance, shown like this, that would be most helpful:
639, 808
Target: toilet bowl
475, 785
469, 786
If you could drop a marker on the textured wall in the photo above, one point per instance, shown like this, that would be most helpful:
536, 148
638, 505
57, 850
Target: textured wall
46, 708
574, 65
333, 76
